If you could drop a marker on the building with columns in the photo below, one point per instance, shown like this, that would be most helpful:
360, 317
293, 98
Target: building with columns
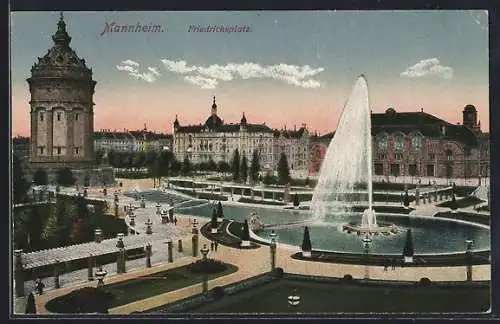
218, 140
418, 144
62, 111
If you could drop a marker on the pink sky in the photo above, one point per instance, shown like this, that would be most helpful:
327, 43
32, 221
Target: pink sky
124, 107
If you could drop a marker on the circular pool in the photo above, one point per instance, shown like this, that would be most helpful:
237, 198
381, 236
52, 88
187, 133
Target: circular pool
431, 235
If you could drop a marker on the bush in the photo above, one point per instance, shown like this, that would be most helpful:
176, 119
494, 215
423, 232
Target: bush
85, 300
347, 278
217, 292
207, 266
424, 281
277, 272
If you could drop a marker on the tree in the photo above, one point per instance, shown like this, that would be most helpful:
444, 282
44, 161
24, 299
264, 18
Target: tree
269, 179
245, 235
212, 166
187, 167
453, 203
150, 158
49, 231
255, 167
223, 167
283, 170
166, 157
213, 221
175, 166
99, 157
406, 200
19, 183
40, 177
244, 169
296, 201
112, 158
220, 212
306, 241
139, 159
236, 166
408, 248
30, 304
65, 177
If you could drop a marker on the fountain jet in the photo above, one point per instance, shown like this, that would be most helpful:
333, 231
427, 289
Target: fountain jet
345, 177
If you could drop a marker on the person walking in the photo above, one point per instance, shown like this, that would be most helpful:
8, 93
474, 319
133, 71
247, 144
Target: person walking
211, 245
393, 264
216, 244
175, 221
39, 286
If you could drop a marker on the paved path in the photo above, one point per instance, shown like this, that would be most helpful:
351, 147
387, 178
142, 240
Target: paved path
251, 263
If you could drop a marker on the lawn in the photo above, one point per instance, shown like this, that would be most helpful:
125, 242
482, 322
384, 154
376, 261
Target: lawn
148, 286
317, 297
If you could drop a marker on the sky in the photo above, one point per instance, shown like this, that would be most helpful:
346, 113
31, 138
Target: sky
282, 68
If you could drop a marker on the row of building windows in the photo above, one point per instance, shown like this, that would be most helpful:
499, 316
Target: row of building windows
58, 116
76, 150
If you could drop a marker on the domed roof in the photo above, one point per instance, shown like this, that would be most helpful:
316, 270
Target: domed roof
470, 108
213, 122
61, 60
243, 119
390, 111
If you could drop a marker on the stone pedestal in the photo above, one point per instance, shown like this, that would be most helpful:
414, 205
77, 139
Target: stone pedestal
90, 267
179, 246
149, 252
170, 251
19, 272
121, 261
194, 240
97, 235
57, 284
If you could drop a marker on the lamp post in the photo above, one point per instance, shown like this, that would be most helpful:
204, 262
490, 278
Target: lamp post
195, 228
469, 243
366, 242
204, 251
100, 274
273, 236
294, 299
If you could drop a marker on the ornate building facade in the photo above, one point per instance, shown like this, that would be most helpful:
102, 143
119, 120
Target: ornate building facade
217, 140
417, 144
62, 110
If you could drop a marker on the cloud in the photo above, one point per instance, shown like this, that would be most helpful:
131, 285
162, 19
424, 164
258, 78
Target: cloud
204, 76
132, 68
177, 66
209, 77
130, 62
428, 67
202, 82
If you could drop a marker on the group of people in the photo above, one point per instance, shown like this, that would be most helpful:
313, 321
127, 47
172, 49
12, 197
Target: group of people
391, 263
213, 246
39, 286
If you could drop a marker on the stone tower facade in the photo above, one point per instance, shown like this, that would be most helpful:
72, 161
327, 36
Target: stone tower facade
62, 107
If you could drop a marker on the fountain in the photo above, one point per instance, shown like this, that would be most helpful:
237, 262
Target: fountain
345, 177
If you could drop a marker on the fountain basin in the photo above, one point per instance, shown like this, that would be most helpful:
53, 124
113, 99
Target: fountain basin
381, 229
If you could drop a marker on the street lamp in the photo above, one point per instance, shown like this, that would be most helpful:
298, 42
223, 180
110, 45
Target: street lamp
100, 274
469, 243
366, 242
195, 229
204, 251
273, 236
294, 299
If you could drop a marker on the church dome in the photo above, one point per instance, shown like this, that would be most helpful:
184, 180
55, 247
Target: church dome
213, 122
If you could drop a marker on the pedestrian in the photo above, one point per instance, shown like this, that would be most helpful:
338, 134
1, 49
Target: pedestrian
386, 265
175, 221
393, 264
216, 244
39, 286
211, 246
